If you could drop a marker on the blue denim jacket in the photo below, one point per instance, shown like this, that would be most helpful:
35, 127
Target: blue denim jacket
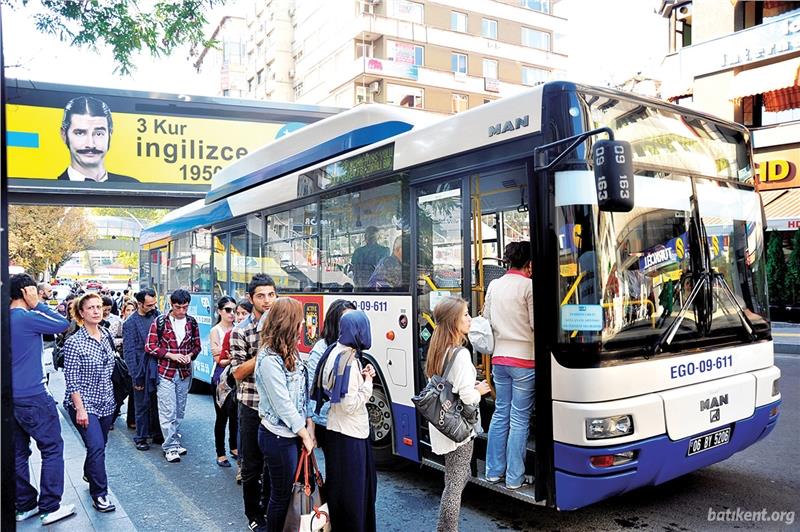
283, 394
312, 363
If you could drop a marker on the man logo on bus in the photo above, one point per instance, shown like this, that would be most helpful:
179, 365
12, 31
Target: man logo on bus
712, 404
508, 125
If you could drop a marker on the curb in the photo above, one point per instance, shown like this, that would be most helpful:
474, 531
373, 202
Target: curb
787, 349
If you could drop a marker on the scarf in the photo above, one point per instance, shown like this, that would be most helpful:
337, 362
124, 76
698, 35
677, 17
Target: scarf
354, 332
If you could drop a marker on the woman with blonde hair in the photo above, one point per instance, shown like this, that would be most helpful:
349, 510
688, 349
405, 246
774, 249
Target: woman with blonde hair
446, 352
89, 399
281, 380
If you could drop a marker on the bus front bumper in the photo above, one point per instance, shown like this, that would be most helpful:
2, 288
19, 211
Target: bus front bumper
656, 460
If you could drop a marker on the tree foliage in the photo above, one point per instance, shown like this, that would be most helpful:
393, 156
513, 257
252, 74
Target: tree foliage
124, 25
776, 268
793, 270
46, 237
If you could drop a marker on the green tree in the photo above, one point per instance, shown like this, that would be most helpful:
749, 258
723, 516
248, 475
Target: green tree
776, 268
793, 270
44, 238
124, 25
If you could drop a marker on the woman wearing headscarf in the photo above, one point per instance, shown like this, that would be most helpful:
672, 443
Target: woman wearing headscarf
352, 480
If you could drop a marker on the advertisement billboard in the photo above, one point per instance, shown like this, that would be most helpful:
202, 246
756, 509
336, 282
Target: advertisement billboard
68, 139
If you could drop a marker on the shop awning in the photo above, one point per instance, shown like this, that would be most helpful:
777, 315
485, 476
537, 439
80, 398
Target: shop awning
778, 82
781, 206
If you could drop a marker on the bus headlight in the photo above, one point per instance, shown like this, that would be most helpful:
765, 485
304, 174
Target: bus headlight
609, 427
775, 387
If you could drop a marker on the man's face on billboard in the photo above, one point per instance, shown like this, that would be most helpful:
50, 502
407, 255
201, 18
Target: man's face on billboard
87, 139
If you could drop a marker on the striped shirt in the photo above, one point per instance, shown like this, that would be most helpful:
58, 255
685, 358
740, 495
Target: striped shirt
88, 365
244, 346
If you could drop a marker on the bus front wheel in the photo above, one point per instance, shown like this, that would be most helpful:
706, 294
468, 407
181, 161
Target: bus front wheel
380, 427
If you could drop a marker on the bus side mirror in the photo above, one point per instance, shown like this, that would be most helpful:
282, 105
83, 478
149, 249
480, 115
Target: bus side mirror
613, 175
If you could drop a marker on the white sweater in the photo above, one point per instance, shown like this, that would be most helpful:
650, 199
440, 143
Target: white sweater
463, 376
349, 416
509, 308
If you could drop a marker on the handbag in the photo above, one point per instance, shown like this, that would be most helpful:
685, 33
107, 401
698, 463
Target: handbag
443, 408
307, 510
481, 335
121, 380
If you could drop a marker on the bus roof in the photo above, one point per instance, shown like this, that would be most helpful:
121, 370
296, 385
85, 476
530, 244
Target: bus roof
338, 134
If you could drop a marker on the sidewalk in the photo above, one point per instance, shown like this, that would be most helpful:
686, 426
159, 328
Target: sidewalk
786, 337
76, 491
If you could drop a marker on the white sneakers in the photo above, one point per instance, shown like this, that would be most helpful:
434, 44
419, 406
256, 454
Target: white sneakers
65, 510
172, 456
103, 504
182, 450
21, 516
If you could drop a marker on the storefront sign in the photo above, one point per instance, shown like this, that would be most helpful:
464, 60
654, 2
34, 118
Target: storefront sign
777, 169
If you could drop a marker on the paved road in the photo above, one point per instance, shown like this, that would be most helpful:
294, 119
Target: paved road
198, 495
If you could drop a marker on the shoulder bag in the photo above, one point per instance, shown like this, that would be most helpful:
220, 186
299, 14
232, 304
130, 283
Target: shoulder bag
308, 511
443, 408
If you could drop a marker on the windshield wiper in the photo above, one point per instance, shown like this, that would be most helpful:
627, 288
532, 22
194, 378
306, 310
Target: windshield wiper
705, 280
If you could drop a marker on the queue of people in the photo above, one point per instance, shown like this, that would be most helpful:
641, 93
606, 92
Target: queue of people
272, 402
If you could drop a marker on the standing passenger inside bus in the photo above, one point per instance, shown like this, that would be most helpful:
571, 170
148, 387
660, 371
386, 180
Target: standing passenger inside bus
352, 479
366, 258
389, 271
509, 308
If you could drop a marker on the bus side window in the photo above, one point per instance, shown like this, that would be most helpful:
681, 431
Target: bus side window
362, 246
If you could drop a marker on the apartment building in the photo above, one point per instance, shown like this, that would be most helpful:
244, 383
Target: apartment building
226, 61
444, 56
740, 60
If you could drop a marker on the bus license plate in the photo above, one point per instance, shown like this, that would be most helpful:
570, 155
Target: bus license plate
709, 441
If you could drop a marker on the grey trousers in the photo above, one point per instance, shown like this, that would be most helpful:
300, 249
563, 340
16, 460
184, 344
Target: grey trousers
456, 473
171, 407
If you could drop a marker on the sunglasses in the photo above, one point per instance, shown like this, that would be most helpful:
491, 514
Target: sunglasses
228, 309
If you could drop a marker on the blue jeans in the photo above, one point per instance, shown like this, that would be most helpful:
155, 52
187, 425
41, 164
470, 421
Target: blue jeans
95, 437
281, 455
171, 407
508, 431
146, 406
36, 417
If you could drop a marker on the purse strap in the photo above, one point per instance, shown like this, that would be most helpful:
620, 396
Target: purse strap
315, 470
449, 363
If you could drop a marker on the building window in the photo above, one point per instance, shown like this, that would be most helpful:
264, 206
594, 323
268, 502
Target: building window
250, 85
489, 28
542, 6
458, 21
458, 63
534, 76
363, 49
459, 103
535, 38
405, 10
405, 96
490, 69
260, 77
405, 53
298, 90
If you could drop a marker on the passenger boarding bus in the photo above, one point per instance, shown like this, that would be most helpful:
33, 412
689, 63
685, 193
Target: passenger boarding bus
653, 349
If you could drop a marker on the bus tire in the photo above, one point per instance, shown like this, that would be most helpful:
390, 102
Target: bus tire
381, 427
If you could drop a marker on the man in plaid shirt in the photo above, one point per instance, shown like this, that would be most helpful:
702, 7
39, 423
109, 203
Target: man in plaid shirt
244, 348
174, 339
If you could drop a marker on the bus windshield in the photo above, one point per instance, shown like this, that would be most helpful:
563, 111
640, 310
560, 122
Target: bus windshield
686, 263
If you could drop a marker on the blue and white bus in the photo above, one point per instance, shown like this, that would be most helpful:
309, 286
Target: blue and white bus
654, 355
